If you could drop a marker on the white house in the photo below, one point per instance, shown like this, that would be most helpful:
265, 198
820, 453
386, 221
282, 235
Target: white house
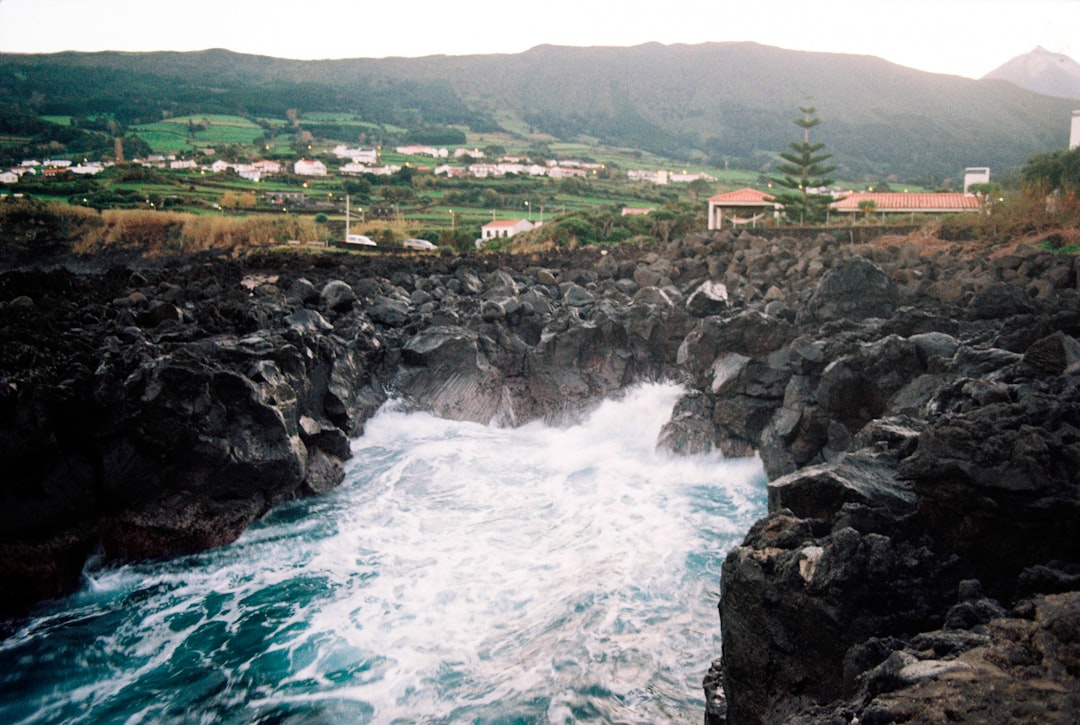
976, 175
471, 153
382, 170
267, 167
423, 151
183, 164
87, 169
8, 177
685, 177
303, 167
655, 177
218, 166
1074, 130
358, 155
452, 172
504, 228
482, 171
249, 172
508, 168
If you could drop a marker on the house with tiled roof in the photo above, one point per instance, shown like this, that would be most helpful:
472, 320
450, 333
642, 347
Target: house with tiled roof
741, 207
305, 167
504, 228
905, 203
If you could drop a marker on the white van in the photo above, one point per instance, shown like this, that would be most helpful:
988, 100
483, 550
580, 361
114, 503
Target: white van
359, 239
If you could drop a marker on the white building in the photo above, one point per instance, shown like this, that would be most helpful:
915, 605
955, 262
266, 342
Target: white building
685, 177
482, 171
655, 177
558, 172
249, 172
303, 167
87, 169
450, 171
8, 177
507, 168
423, 151
358, 155
267, 167
504, 228
183, 164
471, 153
1074, 132
976, 175
382, 170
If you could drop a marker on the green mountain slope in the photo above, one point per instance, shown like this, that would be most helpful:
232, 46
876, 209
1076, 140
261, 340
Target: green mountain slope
728, 102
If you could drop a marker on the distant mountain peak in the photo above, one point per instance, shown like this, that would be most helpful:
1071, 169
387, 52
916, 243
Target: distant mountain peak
1042, 71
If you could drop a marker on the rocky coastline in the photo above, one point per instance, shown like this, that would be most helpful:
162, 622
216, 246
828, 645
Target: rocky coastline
916, 405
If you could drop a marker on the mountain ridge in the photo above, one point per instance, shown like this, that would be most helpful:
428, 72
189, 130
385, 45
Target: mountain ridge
709, 102
1042, 71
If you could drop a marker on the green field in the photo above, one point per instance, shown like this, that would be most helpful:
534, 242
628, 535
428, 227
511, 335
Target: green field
189, 132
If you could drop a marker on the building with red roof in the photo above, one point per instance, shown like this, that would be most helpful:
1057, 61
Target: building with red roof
749, 207
503, 228
905, 203
741, 207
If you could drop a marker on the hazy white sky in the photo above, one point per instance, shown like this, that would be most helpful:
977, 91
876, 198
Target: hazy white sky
962, 37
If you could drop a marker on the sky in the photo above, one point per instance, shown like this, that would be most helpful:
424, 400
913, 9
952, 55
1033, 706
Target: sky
959, 37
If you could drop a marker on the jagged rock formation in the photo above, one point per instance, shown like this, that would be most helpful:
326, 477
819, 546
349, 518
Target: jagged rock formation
917, 410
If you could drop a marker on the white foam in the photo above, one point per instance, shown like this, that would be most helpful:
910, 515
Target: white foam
459, 566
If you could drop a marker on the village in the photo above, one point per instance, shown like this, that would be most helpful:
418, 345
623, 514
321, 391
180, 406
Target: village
360, 161
304, 186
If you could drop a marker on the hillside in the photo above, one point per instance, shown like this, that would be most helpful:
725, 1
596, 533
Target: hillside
1042, 71
718, 102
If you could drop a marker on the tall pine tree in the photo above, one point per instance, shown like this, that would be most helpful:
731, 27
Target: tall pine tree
803, 171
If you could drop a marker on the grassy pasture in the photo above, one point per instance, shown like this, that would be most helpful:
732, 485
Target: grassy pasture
175, 134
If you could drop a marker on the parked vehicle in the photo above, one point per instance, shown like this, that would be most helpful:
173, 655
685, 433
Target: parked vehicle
418, 244
359, 239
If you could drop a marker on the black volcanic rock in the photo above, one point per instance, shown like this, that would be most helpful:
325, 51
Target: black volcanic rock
919, 419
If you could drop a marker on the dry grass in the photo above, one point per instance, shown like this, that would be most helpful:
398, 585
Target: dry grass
160, 232
929, 242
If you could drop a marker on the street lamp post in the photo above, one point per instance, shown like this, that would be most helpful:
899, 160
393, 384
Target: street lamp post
528, 208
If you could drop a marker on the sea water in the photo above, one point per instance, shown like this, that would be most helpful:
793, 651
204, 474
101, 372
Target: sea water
461, 574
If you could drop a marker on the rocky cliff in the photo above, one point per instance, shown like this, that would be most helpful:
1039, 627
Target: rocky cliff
916, 405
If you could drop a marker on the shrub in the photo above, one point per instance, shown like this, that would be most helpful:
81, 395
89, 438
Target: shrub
31, 229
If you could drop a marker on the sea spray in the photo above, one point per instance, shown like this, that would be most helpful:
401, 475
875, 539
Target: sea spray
462, 573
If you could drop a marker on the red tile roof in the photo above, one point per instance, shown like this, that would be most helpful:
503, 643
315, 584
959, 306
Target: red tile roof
744, 197
909, 202
503, 223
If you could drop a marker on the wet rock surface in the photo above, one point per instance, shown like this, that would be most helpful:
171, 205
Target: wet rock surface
917, 410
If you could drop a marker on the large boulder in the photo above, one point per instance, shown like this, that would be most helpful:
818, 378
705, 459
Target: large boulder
853, 289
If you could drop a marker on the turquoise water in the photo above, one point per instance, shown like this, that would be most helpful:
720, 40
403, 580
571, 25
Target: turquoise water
460, 574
